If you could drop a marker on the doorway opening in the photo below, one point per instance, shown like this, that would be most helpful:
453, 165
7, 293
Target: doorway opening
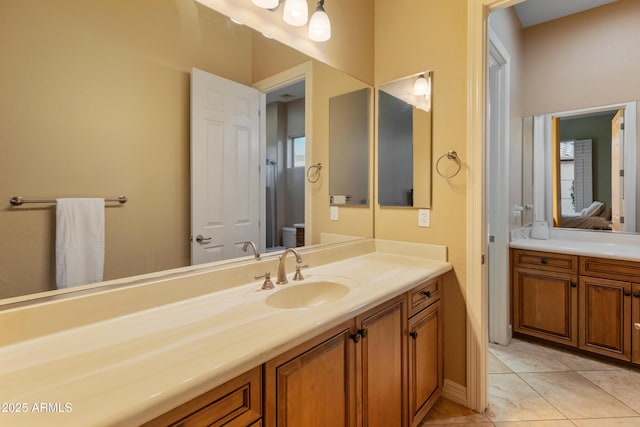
285, 160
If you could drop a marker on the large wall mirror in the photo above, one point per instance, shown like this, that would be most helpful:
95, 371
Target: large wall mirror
404, 141
96, 103
587, 176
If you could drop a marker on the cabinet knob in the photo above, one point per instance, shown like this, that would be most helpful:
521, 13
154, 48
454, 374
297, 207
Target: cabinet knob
427, 294
574, 284
543, 261
636, 295
627, 294
363, 332
355, 337
413, 334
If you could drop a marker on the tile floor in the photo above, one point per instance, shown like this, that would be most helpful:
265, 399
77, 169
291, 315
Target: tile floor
531, 385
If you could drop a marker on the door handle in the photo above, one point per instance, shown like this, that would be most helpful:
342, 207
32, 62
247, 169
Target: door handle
201, 239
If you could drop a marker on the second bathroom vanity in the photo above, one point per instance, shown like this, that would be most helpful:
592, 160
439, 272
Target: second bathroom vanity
579, 293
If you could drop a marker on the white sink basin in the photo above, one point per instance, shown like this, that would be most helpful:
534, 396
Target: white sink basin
306, 295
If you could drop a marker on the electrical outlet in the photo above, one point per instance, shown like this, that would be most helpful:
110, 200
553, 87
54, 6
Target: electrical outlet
333, 213
424, 217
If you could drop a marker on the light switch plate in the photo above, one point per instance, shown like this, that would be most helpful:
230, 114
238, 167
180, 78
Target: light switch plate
424, 217
333, 213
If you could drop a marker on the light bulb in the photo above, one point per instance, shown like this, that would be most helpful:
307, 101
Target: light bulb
296, 12
421, 86
319, 25
266, 4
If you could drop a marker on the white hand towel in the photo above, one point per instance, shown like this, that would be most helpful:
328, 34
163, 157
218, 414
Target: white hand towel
79, 241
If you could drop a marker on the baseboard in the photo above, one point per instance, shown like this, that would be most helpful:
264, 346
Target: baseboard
454, 392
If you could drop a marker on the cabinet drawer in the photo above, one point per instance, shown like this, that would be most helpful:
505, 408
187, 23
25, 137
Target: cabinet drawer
424, 295
610, 269
237, 403
545, 260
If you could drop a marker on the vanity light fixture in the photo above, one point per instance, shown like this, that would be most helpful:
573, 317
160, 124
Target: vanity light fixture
295, 12
319, 25
266, 4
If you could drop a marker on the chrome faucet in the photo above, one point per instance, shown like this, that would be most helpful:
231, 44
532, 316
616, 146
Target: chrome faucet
246, 245
282, 274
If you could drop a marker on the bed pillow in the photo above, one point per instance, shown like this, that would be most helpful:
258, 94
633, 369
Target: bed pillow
595, 209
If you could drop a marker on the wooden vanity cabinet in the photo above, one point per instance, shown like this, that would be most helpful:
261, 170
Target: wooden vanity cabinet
383, 368
605, 317
236, 403
314, 383
635, 320
381, 362
545, 295
425, 361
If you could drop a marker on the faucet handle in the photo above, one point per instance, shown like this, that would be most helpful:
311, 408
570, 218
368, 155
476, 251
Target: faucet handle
298, 275
268, 284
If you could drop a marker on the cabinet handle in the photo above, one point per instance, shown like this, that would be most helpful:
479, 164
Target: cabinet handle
413, 334
363, 332
543, 261
636, 295
627, 294
427, 294
355, 337
574, 284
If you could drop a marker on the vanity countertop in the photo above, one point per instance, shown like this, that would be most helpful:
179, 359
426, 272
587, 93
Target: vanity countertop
596, 244
132, 368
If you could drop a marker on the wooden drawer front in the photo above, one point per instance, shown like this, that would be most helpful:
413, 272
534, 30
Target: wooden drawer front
605, 311
635, 332
610, 269
545, 260
424, 295
237, 403
545, 305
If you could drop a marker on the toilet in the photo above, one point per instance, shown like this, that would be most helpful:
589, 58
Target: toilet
289, 237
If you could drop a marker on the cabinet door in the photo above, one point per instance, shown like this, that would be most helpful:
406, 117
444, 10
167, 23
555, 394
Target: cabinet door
635, 311
383, 352
545, 305
313, 384
425, 361
605, 319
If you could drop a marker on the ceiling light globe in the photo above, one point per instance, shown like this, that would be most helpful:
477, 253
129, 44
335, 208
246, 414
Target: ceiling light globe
320, 26
421, 86
295, 12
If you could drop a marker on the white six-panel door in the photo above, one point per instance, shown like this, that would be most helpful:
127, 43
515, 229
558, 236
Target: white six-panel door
225, 176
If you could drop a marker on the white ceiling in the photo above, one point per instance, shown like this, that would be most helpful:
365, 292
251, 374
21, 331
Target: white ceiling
533, 12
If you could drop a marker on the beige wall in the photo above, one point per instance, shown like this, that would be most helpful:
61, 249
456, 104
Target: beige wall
412, 36
583, 60
350, 48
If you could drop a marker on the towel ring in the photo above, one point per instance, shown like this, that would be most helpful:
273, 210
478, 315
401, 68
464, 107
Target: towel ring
313, 173
451, 155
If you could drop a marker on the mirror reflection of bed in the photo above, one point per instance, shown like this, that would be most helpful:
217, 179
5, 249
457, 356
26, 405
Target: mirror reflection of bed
585, 157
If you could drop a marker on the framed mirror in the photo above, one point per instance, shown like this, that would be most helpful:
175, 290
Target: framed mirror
404, 141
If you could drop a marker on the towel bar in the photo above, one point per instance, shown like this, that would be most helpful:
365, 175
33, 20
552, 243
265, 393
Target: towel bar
18, 200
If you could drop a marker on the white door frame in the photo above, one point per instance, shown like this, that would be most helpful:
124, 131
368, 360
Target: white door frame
476, 270
497, 169
277, 81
